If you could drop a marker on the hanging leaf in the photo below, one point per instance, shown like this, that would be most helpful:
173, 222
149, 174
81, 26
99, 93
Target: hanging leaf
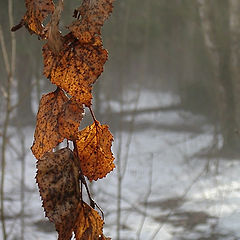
91, 15
47, 135
58, 181
69, 119
54, 37
94, 151
75, 68
89, 224
37, 12
73, 62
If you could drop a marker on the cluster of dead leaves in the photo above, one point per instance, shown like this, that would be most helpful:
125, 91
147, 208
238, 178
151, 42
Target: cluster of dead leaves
58, 180
73, 63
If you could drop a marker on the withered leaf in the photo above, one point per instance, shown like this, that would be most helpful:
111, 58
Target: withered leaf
47, 135
91, 14
94, 151
58, 181
89, 224
54, 37
75, 68
104, 238
69, 119
37, 12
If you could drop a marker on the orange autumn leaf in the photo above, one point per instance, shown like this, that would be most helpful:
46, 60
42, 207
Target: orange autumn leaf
58, 181
91, 16
73, 63
69, 119
94, 151
37, 12
46, 135
104, 238
75, 68
89, 224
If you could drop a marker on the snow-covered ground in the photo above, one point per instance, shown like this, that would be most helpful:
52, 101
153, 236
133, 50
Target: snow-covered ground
167, 191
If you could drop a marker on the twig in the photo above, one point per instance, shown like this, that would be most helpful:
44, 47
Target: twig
4, 134
13, 38
92, 113
22, 158
10, 69
146, 198
119, 160
93, 204
4, 52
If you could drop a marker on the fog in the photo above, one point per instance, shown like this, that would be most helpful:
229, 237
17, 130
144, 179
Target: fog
170, 95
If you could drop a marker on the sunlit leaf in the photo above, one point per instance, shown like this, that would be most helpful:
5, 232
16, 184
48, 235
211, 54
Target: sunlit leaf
37, 12
91, 14
89, 224
94, 151
69, 119
75, 68
47, 135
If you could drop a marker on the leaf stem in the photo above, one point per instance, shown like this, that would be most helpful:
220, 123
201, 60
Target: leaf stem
82, 178
92, 113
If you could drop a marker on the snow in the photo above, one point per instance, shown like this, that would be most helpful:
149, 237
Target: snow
167, 191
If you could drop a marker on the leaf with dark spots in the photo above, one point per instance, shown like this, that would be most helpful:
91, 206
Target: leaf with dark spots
91, 16
89, 224
69, 119
47, 135
75, 68
37, 12
58, 181
94, 151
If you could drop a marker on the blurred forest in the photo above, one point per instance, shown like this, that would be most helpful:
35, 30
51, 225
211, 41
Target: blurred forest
188, 48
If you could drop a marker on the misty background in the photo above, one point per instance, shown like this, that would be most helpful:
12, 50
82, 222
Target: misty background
170, 94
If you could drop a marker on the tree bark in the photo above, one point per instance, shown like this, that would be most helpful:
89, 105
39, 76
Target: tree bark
234, 22
217, 41
25, 114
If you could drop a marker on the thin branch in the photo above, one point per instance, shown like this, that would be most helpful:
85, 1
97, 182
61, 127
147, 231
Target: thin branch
119, 151
4, 92
93, 204
10, 68
148, 193
13, 38
4, 52
22, 158
92, 113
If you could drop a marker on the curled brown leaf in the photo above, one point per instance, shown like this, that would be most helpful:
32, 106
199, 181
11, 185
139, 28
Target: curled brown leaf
37, 12
58, 182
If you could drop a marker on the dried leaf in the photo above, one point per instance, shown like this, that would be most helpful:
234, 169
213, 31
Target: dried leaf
75, 68
69, 119
37, 12
58, 182
89, 224
104, 238
93, 13
47, 135
94, 151
54, 37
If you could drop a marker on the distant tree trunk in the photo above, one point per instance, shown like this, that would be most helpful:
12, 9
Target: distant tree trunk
25, 114
216, 34
234, 23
